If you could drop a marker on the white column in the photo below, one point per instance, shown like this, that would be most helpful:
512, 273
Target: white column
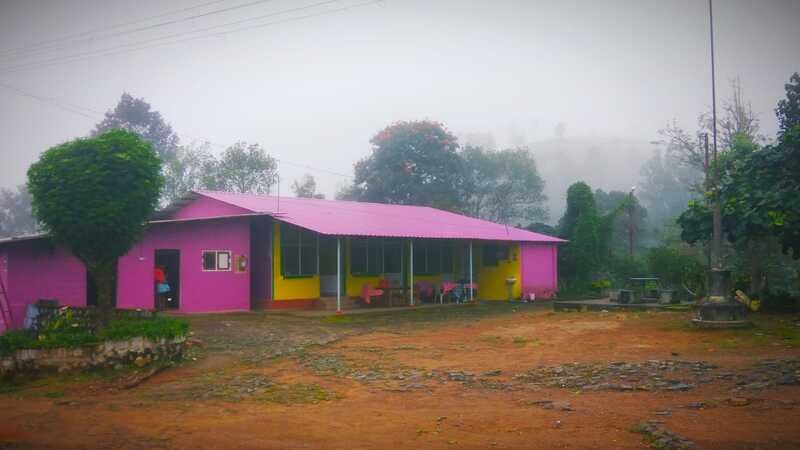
470, 272
411, 272
338, 275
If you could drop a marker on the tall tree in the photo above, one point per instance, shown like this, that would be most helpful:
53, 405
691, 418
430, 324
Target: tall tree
503, 186
306, 188
737, 118
16, 216
581, 226
94, 196
788, 110
187, 171
243, 168
137, 116
412, 163
665, 188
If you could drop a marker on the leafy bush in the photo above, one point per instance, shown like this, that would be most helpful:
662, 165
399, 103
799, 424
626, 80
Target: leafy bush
155, 328
15, 340
676, 269
622, 268
600, 285
62, 332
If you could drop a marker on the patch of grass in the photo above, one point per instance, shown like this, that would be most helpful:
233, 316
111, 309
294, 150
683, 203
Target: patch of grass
54, 394
297, 394
519, 341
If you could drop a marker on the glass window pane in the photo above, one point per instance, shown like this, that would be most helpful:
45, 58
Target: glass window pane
308, 260
290, 260
420, 257
209, 260
374, 257
224, 261
358, 256
392, 257
447, 257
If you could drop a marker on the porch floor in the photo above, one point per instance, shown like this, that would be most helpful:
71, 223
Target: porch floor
323, 313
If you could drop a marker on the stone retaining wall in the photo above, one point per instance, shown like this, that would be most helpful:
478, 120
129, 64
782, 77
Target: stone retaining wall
139, 351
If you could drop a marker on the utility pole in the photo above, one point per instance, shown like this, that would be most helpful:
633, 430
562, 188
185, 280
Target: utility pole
716, 239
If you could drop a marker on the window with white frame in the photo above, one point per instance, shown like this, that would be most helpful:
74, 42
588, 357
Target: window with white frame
216, 260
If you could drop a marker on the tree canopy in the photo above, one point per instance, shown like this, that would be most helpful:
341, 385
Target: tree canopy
503, 186
412, 163
94, 196
306, 187
243, 168
16, 216
788, 110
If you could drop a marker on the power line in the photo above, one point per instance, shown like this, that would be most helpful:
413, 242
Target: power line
39, 45
75, 109
146, 44
94, 114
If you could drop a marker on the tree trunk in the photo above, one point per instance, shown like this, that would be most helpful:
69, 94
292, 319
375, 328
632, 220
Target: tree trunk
756, 267
104, 274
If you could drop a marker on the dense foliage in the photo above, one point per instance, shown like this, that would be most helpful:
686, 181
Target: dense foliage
412, 163
94, 196
243, 168
73, 336
16, 214
502, 186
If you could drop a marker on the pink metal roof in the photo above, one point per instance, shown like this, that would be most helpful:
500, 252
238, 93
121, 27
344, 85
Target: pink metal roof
346, 218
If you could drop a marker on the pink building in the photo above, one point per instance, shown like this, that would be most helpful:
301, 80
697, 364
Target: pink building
237, 252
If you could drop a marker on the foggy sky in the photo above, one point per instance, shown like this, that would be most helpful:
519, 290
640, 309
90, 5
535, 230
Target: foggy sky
314, 91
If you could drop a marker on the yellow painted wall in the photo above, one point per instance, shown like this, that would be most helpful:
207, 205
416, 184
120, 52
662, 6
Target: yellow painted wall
289, 288
492, 279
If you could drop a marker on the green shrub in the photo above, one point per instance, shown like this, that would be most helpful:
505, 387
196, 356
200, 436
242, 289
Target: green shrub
15, 340
64, 333
155, 328
676, 269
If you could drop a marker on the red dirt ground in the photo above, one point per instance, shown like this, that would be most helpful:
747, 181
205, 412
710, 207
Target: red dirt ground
162, 413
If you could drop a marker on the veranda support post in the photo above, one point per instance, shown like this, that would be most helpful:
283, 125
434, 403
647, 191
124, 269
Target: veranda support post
411, 272
470, 273
338, 275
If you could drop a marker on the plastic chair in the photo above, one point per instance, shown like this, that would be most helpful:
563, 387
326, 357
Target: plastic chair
367, 292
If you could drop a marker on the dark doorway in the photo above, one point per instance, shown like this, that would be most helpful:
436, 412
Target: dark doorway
171, 261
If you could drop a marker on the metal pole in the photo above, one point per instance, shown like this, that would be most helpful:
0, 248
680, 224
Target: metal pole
716, 242
470, 272
338, 275
411, 271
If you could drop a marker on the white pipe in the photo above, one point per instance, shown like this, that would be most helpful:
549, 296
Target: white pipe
338, 275
411, 271
470, 272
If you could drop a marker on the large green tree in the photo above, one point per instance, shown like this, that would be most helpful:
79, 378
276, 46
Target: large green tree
412, 163
94, 197
579, 258
503, 186
788, 110
16, 216
243, 168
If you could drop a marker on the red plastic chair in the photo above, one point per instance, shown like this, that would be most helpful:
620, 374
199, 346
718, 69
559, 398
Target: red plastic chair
367, 292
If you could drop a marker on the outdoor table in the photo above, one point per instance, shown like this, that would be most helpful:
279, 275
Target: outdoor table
390, 292
643, 289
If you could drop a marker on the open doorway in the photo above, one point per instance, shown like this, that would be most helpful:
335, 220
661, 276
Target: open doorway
170, 262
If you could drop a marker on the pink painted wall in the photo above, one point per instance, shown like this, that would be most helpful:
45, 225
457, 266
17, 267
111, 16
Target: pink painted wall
37, 270
199, 291
205, 207
539, 269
